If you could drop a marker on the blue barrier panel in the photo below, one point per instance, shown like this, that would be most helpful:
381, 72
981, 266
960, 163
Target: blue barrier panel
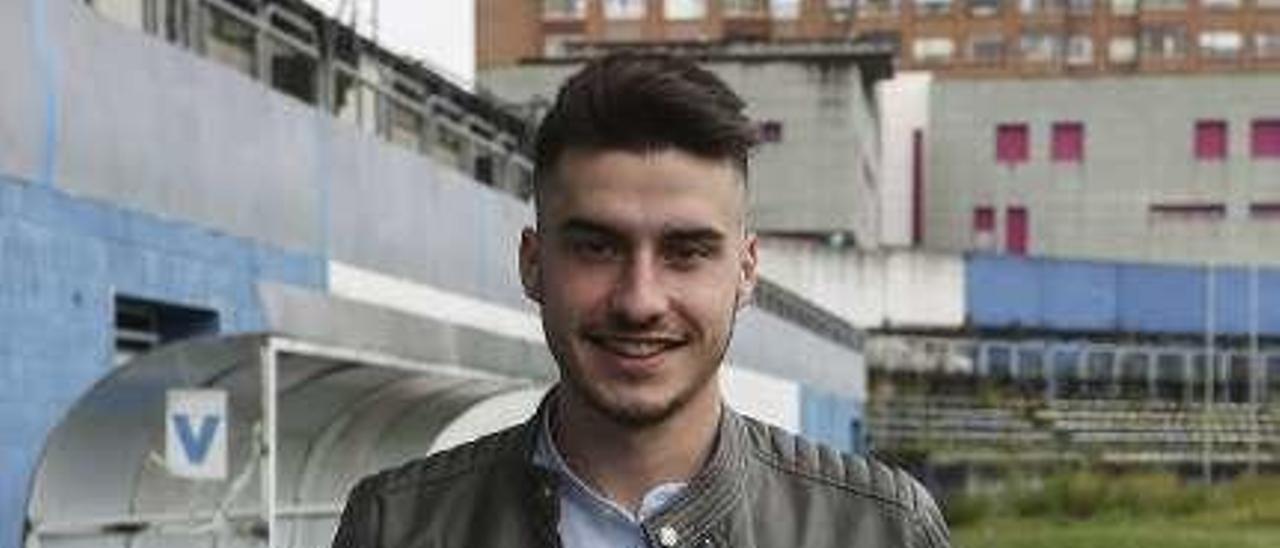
1078, 295
1231, 308
833, 420
1002, 291
1235, 293
1009, 292
1161, 299
1269, 302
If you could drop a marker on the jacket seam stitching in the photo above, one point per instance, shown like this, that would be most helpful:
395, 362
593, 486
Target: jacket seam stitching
897, 506
433, 475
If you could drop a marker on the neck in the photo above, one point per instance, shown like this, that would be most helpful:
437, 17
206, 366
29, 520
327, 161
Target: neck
625, 461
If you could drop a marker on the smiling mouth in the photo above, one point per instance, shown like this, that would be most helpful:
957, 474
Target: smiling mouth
635, 347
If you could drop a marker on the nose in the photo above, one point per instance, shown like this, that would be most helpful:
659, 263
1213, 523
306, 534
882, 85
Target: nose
639, 298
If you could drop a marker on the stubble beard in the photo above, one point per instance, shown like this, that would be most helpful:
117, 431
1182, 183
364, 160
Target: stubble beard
640, 417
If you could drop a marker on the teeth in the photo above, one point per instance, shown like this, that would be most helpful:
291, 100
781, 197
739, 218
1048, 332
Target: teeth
634, 347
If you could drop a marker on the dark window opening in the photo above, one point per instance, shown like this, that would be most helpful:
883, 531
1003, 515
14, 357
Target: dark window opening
770, 131
142, 325
1188, 212
484, 169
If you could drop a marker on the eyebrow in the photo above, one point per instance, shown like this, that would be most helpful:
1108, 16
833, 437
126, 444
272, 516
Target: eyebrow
587, 227
583, 226
709, 235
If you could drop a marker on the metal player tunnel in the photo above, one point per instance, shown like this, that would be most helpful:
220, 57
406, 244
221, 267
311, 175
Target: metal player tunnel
302, 423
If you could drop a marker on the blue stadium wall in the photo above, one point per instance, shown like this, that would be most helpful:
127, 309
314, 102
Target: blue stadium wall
63, 260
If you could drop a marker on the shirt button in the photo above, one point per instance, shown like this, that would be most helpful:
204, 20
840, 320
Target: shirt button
668, 536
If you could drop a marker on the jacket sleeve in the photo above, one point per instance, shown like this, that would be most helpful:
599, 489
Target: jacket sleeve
361, 519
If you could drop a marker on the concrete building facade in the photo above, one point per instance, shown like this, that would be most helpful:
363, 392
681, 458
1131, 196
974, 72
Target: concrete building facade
1152, 168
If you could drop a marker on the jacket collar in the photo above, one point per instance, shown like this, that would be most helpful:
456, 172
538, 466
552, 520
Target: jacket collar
709, 496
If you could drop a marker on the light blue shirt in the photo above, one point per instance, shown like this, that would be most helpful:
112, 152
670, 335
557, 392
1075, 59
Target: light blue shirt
589, 519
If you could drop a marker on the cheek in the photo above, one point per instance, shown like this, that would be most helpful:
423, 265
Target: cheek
574, 292
712, 301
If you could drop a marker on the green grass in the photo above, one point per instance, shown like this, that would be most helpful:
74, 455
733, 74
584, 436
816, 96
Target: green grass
1112, 533
1083, 509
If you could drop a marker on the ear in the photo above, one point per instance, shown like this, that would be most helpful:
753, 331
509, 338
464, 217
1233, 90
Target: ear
748, 265
530, 267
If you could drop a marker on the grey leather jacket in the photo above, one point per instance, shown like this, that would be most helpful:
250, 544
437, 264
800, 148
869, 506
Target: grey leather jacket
761, 488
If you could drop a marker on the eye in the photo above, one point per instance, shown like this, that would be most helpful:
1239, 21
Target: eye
688, 254
594, 249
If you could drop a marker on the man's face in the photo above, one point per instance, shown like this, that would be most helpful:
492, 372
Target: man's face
640, 261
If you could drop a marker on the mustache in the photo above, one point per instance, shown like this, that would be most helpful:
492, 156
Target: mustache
637, 333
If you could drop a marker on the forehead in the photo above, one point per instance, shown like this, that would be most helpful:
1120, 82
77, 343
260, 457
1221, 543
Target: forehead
666, 186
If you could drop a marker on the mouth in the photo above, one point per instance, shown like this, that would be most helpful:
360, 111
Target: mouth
635, 347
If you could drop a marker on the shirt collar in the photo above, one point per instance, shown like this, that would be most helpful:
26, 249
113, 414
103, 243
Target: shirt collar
547, 456
706, 499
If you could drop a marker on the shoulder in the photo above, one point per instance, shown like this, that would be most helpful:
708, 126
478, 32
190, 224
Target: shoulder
385, 508
864, 479
453, 464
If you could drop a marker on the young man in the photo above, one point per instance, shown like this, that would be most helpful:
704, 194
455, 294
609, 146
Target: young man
640, 260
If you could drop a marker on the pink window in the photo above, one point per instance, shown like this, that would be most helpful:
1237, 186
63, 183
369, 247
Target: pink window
1211, 140
1068, 142
1013, 144
1016, 237
984, 227
1266, 138
984, 219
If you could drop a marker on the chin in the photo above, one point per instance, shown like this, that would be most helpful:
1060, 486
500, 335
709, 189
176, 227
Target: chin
636, 405
638, 414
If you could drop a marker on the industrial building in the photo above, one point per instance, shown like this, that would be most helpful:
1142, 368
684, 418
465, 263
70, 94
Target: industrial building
1157, 169
972, 39
1128, 131
244, 209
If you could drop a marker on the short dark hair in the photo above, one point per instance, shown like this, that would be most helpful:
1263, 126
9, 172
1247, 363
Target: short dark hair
641, 102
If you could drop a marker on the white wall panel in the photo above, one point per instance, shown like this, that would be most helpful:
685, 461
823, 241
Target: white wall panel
904, 108
923, 289
765, 397
871, 289
419, 299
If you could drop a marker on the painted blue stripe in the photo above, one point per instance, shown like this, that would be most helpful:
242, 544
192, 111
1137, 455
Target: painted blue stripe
44, 53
